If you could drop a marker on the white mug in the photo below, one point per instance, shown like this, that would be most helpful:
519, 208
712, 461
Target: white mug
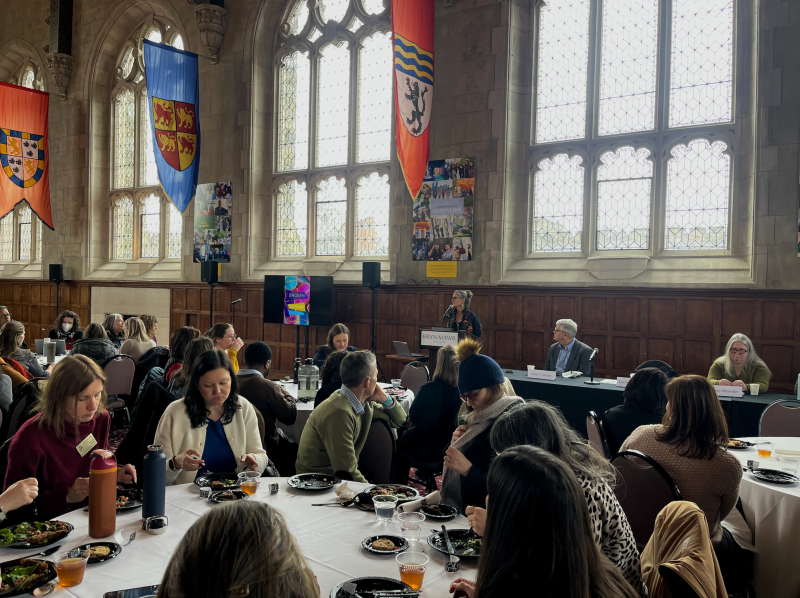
754, 389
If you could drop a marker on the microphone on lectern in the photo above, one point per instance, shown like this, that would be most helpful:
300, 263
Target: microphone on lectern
447, 313
594, 352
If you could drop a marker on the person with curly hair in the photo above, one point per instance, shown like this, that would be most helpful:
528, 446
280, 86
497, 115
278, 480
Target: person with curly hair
151, 326
67, 327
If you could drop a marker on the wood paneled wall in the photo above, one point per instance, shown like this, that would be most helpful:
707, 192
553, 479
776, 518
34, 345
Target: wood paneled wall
685, 328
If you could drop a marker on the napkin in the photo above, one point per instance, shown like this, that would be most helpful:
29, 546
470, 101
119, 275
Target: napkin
434, 498
786, 452
345, 492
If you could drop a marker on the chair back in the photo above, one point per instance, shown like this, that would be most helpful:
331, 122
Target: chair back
660, 365
119, 372
414, 375
25, 397
376, 462
155, 357
781, 418
596, 435
132, 448
643, 488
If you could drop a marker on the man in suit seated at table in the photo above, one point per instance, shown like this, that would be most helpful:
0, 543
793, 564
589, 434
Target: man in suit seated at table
337, 429
568, 354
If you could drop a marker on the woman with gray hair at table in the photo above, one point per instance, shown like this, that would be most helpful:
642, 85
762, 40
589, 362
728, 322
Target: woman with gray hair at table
740, 366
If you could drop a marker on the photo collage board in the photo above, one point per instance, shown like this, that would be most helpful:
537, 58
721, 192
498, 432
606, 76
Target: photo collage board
212, 222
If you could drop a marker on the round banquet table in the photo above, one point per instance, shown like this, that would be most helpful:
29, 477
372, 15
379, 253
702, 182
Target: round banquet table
772, 512
330, 539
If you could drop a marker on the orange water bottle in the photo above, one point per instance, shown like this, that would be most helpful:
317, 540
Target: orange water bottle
102, 494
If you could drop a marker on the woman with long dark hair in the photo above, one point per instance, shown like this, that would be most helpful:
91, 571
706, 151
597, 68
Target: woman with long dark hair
330, 375
67, 328
643, 403
338, 340
181, 379
178, 342
12, 337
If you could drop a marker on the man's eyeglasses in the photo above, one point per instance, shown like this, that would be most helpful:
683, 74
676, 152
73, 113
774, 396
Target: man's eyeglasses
5, 317
738, 351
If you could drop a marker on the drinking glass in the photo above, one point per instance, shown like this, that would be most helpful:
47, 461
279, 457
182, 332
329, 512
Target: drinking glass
789, 464
384, 507
70, 567
412, 568
396, 382
765, 449
249, 481
411, 525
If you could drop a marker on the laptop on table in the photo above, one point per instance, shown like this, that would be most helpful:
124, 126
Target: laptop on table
403, 351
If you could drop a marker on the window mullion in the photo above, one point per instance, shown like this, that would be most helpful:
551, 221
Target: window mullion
593, 70
311, 239
663, 78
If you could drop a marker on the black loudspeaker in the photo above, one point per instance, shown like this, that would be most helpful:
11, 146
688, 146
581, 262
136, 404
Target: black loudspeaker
209, 272
56, 273
371, 274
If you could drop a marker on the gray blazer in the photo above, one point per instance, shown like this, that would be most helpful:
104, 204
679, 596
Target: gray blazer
578, 360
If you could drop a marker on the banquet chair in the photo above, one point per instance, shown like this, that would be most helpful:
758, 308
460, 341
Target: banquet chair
659, 365
781, 418
596, 434
376, 461
414, 375
643, 488
21, 410
119, 372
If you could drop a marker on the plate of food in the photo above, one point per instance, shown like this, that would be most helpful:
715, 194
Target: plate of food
314, 482
218, 481
398, 391
384, 544
34, 534
100, 552
465, 543
228, 496
773, 476
403, 493
739, 445
129, 498
439, 512
21, 576
370, 585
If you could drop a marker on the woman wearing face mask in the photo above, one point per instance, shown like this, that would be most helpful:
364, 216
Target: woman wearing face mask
67, 327
338, 340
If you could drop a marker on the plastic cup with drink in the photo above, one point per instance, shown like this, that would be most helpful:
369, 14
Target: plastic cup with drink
412, 568
249, 481
384, 507
411, 525
765, 449
70, 567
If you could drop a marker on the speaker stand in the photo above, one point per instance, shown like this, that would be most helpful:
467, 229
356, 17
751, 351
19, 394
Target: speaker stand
58, 298
592, 382
211, 313
381, 375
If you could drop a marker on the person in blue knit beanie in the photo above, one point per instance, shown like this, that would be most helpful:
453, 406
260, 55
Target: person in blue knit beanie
466, 463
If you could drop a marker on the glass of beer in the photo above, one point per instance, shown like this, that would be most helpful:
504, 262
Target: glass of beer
765, 449
248, 481
412, 568
70, 567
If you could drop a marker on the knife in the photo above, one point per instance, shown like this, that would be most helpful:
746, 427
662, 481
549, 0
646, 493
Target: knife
47, 552
447, 543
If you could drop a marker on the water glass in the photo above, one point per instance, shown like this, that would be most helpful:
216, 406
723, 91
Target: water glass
70, 567
412, 568
384, 507
411, 525
396, 382
789, 464
765, 449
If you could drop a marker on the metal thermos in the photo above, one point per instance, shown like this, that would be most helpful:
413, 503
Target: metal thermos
297, 365
49, 350
102, 494
155, 481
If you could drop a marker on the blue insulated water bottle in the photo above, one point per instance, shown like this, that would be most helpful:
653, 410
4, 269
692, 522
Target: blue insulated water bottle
155, 481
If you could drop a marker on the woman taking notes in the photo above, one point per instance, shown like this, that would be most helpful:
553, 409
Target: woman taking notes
460, 317
740, 366
338, 340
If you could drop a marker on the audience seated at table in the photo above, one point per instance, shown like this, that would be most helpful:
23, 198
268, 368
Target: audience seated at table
538, 538
177, 347
338, 340
643, 403
331, 380
273, 402
481, 384
434, 417
740, 366
67, 328
211, 418
568, 354
95, 345
181, 379
337, 430
15, 376
115, 329
71, 410
19, 494
137, 343
539, 424
150, 326
239, 549
225, 339
11, 339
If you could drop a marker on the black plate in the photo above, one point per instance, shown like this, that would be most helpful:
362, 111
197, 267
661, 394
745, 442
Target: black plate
26, 546
237, 493
205, 480
371, 584
400, 500
451, 512
437, 542
745, 445
773, 476
48, 577
401, 544
135, 499
116, 549
314, 482
396, 392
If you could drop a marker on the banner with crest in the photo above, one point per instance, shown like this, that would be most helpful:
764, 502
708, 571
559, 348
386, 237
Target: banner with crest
172, 94
412, 36
24, 159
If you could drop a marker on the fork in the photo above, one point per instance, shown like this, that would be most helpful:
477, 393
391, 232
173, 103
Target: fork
131, 539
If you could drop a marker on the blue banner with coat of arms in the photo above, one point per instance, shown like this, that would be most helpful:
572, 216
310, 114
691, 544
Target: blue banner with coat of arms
172, 93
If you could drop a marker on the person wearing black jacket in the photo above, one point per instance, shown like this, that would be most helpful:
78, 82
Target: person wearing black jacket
115, 329
643, 403
460, 318
67, 328
95, 345
338, 340
331, 377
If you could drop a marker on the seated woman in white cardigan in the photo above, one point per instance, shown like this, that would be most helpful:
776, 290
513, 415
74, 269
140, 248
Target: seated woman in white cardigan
212, 428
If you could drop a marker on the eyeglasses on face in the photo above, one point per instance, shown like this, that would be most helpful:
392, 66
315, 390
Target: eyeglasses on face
232, 337
471, 395
738, 351
5, 317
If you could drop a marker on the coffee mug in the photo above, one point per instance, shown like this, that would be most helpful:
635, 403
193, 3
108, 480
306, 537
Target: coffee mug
754, 388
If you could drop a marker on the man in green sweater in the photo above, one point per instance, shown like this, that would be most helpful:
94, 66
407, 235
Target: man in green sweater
337, 430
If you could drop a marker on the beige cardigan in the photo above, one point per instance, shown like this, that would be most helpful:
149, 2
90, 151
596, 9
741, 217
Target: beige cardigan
176, 435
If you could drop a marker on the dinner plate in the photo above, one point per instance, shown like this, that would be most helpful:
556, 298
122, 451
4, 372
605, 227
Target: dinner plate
396, 392
371, 584
448, 512
28, 546
400, 544
135, 499
773, 476
745, 445
205, 480
25, 589
116, 549
373, 490
314, 482
437, 542
237, 493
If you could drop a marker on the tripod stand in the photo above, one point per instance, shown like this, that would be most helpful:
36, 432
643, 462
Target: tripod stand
381, 375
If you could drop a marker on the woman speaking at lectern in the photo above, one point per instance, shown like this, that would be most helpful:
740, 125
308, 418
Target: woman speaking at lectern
458, 316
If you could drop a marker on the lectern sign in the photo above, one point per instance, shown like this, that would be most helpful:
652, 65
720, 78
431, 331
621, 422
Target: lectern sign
433, 338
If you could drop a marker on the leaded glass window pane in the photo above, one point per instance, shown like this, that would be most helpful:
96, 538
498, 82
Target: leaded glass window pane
331, 216
698, 190
294, 112
148, 171
154, 35
562, 73
355, 25
332, 10
630, 53
150, 215
624, 184
375, 75
24, 219
6, 237
372, 215
28, 78
127, 63
177, 42
39, 227
123, 229
299, 17
333, 104
373, 7
701, 77
314, 35
174, 231
125, 136
292, 219
558, 204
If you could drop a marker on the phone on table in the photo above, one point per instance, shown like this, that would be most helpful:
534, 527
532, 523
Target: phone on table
134, 593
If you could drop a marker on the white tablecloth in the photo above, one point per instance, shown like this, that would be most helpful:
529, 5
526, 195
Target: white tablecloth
772, 512
329, 537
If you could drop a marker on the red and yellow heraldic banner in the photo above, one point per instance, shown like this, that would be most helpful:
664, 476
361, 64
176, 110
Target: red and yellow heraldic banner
412, 34
24, 159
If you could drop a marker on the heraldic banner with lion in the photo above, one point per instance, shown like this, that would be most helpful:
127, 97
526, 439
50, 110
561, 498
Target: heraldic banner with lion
172, 94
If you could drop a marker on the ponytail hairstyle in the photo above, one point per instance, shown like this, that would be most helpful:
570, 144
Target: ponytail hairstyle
466, 296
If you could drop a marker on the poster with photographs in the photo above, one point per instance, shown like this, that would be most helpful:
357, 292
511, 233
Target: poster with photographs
212, 222
443, 212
